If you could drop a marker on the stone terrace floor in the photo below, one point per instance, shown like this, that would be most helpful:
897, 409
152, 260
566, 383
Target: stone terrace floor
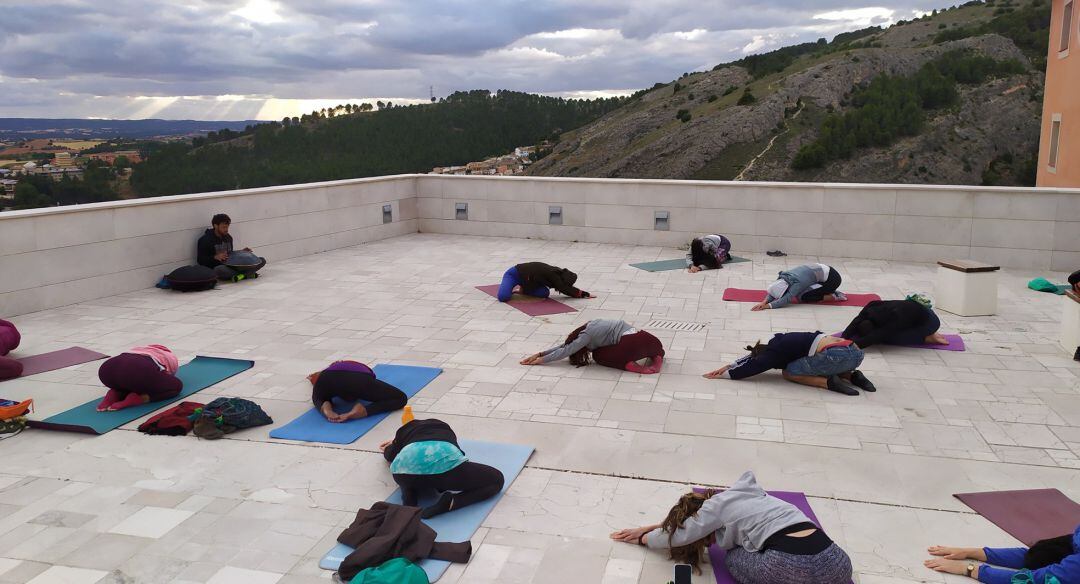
613, 449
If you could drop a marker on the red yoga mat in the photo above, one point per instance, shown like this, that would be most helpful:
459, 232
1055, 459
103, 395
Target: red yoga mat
538, 307
1029, 516
741, 295
717, 555
35, 364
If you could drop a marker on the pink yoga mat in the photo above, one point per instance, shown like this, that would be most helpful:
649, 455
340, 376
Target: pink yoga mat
717, 555
956, 343
538, 307
1027, 515
741, 295
35, 364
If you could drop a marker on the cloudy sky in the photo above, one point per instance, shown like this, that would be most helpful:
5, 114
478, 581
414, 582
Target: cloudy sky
265, 59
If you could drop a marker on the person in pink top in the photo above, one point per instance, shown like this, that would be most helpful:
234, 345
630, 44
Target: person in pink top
138, 376
9, 340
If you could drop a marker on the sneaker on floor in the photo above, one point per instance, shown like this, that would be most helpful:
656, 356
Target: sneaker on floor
839, 296
860, 381
775, 253
252, 275
238, 277
840, 386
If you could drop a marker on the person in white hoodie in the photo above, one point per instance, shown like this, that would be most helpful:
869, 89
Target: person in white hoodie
768, 541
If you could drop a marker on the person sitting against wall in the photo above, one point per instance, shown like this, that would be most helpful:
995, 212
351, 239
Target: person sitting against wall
424, 455
138, 376
613, 343
1049, 561
536, 279
214, 247
814, 359
808, 283
708, 252
9, 341
350, 382
896, 322
768, 540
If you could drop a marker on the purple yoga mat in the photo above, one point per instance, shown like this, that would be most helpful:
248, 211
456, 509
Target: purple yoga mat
956, 343
538, 307
717, 555
35, 364
1027, 515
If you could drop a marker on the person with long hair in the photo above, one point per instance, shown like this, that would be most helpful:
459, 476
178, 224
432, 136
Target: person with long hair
896, 322
424, 454
138, 376
708, 252
807, 284
613, 343
350, 382
768, 541
1049, 561
813, 359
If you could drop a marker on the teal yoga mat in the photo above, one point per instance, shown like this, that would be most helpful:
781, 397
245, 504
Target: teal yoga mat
679, 264
197, 375
313, 427
461, 524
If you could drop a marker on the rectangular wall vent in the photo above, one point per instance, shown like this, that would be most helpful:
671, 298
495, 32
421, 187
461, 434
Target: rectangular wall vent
387, 213
461, 211
661, 221
555, 215
675, 325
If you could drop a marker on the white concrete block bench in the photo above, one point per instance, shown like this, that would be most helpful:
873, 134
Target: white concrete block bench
967, 287
1070, 322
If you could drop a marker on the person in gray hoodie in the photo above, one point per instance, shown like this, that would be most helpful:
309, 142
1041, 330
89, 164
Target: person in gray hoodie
768, 541
708, 252
809, 283
613, 343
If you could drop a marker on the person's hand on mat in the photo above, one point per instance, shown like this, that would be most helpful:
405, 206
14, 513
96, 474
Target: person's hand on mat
958, 567
717, 374
760, 306
955, 553
694, 269
384, 445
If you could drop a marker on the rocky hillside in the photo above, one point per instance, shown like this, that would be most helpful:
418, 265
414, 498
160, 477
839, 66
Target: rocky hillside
707, 125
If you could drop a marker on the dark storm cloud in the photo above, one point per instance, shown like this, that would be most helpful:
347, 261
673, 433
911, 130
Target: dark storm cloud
93, 58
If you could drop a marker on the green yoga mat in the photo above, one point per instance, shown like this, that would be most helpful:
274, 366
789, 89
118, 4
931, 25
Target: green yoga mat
679, 264
199, 374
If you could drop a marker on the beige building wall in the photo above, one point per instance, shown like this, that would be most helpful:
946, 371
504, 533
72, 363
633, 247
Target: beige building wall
1059, 147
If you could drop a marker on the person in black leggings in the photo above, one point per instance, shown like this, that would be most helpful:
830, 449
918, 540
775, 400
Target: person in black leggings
424, 455
351, 381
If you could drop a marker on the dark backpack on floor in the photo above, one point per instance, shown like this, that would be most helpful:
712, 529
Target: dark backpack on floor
192, 278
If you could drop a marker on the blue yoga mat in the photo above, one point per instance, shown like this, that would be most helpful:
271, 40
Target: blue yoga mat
313, 427
198, 374
677, 264
459, 525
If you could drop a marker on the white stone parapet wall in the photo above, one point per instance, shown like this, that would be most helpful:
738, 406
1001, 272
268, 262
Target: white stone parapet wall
1012, 227
64, 255
59, 256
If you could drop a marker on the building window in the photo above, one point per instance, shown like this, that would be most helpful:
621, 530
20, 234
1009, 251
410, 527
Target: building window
1066, 27
1055, 136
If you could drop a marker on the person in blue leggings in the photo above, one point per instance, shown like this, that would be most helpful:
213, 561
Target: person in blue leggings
537, 279
1049, 561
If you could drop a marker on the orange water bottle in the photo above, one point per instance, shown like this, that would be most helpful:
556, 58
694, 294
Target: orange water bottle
407, 415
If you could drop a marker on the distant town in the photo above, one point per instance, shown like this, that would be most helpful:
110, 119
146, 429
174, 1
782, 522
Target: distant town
57, 159
505, 165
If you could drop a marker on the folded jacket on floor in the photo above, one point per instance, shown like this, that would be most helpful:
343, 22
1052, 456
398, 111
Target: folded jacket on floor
388, 531
173, 421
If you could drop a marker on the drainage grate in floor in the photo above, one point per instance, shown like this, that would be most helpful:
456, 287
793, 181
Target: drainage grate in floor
674, 325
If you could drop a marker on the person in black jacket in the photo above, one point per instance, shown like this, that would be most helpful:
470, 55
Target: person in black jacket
813, 359
896, 322
425, 455
536, 279
1074, 281
213, 248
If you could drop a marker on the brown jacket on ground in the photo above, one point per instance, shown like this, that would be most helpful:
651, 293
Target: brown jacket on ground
389, 531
